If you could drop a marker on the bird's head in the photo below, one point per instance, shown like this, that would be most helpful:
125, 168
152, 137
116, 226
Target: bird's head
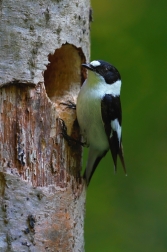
105, 70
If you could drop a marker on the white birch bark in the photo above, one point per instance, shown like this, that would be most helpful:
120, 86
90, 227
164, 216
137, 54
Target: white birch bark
42, 198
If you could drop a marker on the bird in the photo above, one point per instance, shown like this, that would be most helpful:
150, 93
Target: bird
99, 115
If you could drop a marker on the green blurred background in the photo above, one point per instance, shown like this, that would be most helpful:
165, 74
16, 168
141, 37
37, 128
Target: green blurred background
129, 214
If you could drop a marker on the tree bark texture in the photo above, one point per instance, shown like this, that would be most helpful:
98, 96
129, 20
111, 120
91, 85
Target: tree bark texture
42, 197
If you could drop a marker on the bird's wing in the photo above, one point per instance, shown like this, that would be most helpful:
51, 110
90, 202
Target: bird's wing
112, 117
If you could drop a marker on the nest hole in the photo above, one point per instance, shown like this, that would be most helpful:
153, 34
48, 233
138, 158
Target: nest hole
64, 74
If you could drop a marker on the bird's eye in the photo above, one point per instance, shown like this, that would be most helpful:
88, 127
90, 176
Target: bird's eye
95, 69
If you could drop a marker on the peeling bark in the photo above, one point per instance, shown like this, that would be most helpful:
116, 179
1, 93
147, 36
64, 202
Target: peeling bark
42, 197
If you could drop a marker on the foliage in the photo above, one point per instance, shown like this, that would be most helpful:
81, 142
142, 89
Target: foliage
129, 213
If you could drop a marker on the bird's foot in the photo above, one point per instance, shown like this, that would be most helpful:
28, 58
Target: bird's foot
71, 141
69, 104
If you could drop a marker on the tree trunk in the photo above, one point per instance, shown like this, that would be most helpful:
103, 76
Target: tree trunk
42, 46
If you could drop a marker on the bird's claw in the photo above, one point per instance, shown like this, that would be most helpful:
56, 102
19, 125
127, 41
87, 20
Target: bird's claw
64, 132
68, 138
69, 104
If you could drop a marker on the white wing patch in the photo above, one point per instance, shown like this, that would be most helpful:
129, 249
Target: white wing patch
116, 127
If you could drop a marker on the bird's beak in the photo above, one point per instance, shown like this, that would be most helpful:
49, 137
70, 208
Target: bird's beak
88, 66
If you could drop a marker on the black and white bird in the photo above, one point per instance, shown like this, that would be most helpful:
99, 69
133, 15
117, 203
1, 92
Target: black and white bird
99, 114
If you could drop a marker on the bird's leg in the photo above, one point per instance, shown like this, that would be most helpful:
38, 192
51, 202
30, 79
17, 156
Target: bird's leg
68, 138
69, 104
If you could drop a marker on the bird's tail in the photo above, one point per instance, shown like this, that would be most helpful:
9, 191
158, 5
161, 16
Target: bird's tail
121, 156
117, 152
93, 160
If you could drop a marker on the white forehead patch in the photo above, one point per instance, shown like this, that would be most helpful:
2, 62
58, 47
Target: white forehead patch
95, 63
